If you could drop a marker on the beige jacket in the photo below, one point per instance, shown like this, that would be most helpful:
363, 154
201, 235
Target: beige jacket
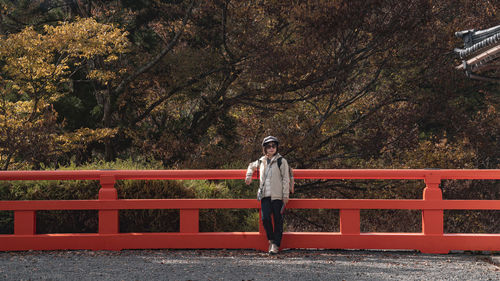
280, 180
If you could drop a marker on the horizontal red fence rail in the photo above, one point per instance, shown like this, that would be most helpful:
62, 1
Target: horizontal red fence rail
430, 240
415, 174
141, 204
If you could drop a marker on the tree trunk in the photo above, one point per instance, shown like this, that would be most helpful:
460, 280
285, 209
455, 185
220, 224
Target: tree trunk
109, 152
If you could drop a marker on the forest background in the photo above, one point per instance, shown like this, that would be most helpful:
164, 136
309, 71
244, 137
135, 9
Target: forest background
152, 84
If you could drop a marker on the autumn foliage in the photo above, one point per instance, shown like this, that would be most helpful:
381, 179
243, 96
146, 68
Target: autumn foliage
198, 84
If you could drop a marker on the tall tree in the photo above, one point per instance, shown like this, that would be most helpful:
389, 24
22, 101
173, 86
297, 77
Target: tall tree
37, 69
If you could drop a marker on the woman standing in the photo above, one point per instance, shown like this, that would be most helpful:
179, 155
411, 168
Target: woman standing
273, 189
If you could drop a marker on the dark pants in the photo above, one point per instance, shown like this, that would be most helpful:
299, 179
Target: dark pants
269, 207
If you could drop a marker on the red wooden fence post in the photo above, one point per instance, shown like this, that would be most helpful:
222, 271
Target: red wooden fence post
24, 223
349, 222
108, 219
189, 220
432, 220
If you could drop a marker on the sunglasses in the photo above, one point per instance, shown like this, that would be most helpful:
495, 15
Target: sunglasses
271, 145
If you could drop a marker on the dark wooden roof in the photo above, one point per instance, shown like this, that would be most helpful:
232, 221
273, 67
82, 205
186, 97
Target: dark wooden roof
480, 54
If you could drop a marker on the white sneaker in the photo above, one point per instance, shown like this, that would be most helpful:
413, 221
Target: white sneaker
274, 249
270, 246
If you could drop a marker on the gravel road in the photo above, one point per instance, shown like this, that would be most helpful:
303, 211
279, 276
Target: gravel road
243, 265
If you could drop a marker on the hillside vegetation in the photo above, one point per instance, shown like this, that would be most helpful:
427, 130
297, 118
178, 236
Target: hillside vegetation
198, 84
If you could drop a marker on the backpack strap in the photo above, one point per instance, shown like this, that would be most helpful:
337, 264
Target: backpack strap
279, 160
290, 171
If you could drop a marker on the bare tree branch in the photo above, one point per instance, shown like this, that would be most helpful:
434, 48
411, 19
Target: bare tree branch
173, 91
155, 60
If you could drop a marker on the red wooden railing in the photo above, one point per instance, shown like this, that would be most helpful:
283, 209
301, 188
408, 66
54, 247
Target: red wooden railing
430, 240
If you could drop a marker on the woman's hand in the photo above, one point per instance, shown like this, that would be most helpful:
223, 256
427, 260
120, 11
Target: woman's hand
248, 181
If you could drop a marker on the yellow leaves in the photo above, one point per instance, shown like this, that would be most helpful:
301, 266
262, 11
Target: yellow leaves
111, 58
19, 132
38, 64
88, 135
82, 137
86, 38
102, 76
20, 44
16, 116
15, 113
